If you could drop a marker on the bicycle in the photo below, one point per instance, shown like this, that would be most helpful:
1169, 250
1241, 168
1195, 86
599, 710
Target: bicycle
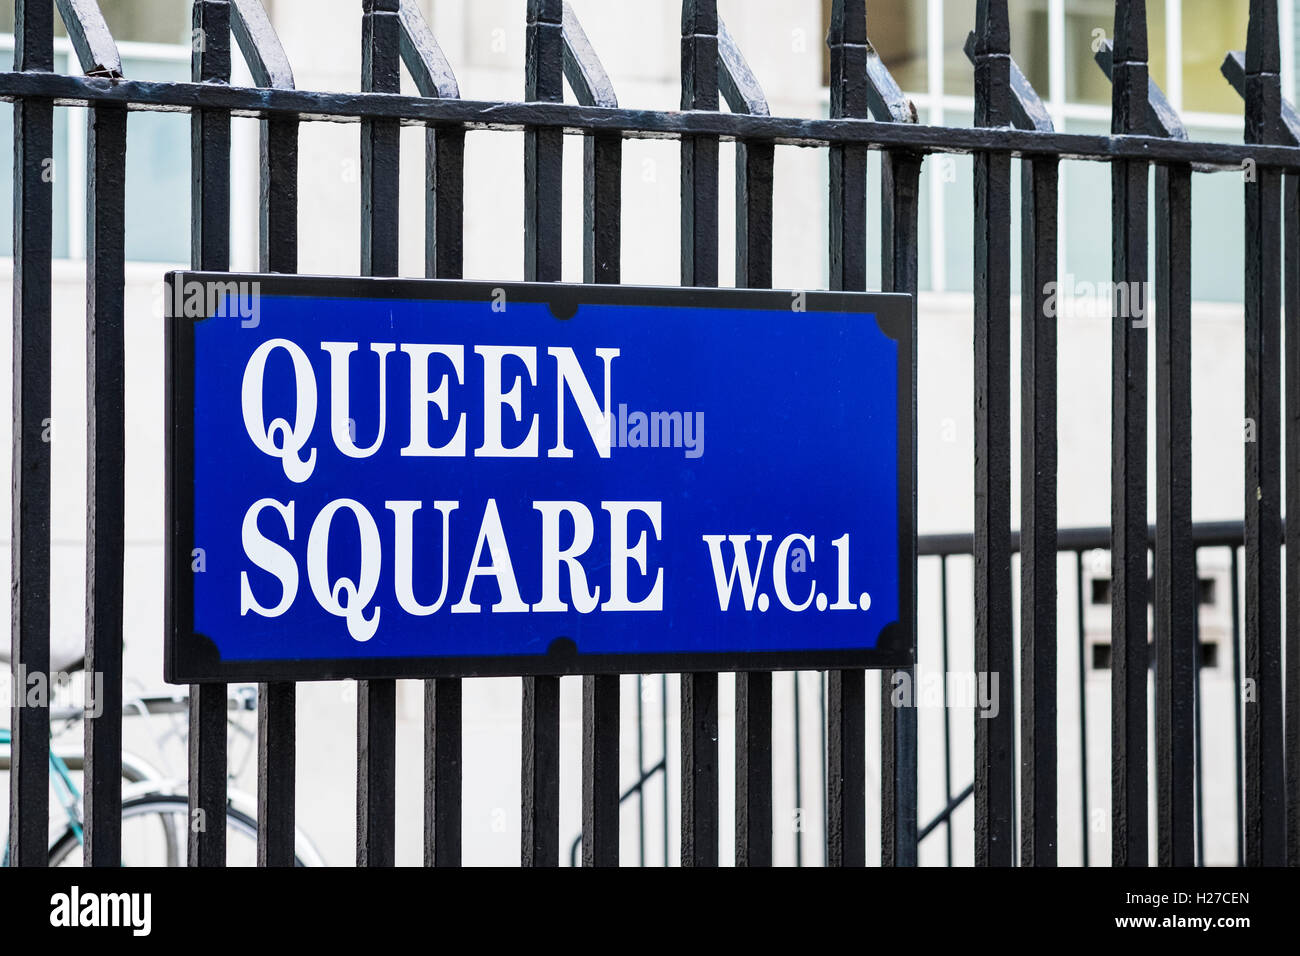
155, 809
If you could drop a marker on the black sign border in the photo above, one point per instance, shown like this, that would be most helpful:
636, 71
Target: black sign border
190, 657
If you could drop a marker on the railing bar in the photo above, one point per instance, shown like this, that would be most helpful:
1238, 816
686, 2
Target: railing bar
663, 744
943, 691
1083, 707
798, 775
543, 217
754, 187
900, 205
210, 241
315, 106
995, 787
640, 769
1198, 755
823, 678
602, 177
1038, 480
105, 490
699, 267
1291, 653
1175, 598
277, 252
1239, 795
1129, 662
600, 790
845, 780
1265, 774
754, 768
380, 206
444, 213
29, 777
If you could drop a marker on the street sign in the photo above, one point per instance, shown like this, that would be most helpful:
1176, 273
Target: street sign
372, 478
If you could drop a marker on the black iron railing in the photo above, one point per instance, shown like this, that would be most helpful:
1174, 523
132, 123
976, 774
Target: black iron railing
867, 113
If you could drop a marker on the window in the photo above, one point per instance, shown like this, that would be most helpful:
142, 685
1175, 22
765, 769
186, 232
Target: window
140, 21
1211, 27
153, 39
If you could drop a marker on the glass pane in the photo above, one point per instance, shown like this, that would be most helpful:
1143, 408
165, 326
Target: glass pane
1086, 23
157, 173
1218, 229
1028, 44
896, 29
1211, 27
1085, 203
149, 21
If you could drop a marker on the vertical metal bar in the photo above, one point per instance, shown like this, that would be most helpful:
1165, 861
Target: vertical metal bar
1175, 557
798, 778
1038, 784
822, 751
1266, 837
1197, 755
663, 743
602, 162
994, 647
699, 769
1291, 214
541, 772
900, 175
105, 479
602, 175
1083, 709
29, 777
699, 267
543, 148
640, 769
543, 178
380, 146
754, 184
943, 690
277, 754
846, 769
442, 772
1239, 795
210, 250
376, 771
277, 744
754, 768
846, 716
600, 791
1129, 661
443, 731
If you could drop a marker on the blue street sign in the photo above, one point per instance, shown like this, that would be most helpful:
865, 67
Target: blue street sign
414, 478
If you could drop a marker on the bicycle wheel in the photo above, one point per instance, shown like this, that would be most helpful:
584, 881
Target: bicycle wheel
145, 843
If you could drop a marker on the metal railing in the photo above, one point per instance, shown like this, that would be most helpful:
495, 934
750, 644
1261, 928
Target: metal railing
867, 113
